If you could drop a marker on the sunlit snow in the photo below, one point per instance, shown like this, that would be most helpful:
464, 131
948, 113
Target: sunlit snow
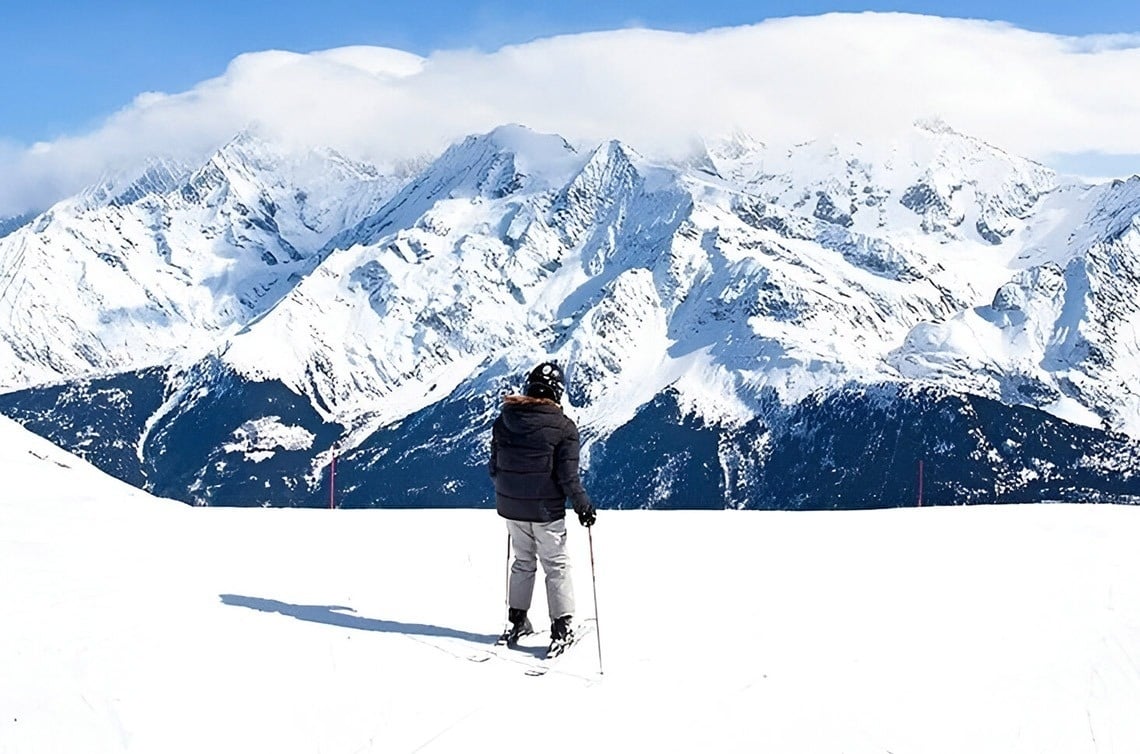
133, 624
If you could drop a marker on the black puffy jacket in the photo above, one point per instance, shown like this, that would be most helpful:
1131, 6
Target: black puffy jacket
534, 461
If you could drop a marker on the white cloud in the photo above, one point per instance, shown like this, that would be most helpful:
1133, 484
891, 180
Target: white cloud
1034, 94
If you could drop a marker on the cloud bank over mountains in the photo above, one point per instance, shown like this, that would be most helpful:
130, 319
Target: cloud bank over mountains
785, 80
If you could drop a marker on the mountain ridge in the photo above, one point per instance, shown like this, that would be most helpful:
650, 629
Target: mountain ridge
714, 294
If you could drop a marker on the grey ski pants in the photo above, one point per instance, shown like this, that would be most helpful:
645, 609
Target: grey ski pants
533, 542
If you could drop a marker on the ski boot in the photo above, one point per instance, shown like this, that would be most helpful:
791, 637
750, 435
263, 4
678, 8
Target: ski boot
561, 636
518, 626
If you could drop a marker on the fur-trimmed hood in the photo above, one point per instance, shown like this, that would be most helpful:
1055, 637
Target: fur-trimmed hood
524, 414
526, 400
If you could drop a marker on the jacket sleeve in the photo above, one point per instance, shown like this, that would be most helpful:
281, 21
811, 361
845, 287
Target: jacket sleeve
566, 469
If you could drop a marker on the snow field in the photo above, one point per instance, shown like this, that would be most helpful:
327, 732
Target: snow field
132, 624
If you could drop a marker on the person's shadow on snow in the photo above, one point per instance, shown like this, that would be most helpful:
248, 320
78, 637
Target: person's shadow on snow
338, 615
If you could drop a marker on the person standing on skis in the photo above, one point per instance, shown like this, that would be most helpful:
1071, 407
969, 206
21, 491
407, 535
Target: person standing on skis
534, 465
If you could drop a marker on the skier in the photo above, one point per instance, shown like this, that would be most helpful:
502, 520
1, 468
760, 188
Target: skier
534, 465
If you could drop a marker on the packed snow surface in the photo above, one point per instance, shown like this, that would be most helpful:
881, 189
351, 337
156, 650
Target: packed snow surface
132, 624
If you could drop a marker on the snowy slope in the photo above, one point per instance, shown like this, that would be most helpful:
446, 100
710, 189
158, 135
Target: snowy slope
47, 482
1003, 630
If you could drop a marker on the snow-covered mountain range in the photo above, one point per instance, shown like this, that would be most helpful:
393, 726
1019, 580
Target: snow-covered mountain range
752, 327
161, 265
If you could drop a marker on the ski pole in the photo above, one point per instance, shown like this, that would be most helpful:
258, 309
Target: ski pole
594, 579
507, 587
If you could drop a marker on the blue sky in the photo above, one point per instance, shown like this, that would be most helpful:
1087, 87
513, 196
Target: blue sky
67, 64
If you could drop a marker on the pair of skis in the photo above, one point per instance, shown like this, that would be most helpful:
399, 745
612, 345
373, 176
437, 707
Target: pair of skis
536, 665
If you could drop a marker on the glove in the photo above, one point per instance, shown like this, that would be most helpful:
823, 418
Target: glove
586, 515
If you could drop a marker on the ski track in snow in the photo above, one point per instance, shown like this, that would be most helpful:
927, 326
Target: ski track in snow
133, 624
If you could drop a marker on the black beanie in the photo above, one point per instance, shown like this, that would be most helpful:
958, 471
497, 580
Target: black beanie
545, 381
